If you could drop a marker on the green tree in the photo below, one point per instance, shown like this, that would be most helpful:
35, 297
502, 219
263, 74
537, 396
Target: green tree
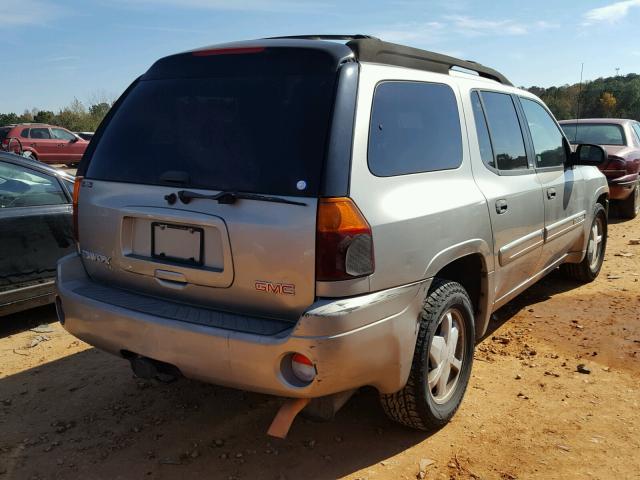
44, 116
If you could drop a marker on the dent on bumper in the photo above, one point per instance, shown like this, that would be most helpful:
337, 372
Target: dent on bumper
365, 340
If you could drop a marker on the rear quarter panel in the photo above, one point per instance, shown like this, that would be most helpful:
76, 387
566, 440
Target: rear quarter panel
420, 221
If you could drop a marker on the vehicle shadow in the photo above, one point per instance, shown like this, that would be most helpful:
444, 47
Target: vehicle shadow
26, 320
86, 416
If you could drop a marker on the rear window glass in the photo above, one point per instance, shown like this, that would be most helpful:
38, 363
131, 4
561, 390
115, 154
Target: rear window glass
3, 133
255, 122
415, 128
594, 133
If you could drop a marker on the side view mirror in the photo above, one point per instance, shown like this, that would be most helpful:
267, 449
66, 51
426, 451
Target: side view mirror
73, 140
587, 154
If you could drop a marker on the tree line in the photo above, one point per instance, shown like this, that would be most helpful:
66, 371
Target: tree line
617, 97
75, 116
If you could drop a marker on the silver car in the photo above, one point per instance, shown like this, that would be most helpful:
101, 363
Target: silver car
305, 216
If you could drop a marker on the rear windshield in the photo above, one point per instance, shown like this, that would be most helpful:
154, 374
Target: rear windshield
594, 133
3, 133
253, 122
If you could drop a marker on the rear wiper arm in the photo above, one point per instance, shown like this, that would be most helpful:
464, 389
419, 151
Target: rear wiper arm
229, 198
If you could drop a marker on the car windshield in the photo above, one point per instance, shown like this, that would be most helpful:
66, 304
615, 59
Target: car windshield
255, 122
594, 133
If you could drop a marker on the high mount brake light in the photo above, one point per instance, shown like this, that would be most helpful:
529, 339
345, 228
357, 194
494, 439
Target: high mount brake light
227, 51
344, 241
76, 195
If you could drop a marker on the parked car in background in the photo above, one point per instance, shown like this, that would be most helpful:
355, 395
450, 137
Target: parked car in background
46, 143
302, 217
35, 230
621, 139
85, 135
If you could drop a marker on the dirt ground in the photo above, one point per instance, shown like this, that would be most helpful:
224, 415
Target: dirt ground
69, 411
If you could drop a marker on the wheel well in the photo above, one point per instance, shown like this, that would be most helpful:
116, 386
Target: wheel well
604, 201
470, 272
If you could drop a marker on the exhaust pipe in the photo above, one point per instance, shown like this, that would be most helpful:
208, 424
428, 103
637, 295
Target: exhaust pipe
148, 368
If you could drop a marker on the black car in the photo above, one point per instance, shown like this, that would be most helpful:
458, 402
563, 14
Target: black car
35, 230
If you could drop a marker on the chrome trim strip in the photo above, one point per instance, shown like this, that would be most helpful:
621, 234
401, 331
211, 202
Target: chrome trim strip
523, 245
563, 226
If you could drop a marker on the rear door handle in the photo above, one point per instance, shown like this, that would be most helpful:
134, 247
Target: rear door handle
551, 193
501, 206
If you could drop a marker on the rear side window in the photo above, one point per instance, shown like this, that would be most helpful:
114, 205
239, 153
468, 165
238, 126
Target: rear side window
547, 137
252, 122
40, 133
22, 187
506, 136
484, 141
415, 127
24, 133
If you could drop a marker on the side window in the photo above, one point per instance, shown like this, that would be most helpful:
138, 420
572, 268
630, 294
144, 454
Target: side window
546, 136
506, 136
24, 133
486, 151
636, 128
22, 187
41, 133
415, 127
62, 134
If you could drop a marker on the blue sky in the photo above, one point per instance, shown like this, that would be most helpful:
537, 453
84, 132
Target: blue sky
55, 50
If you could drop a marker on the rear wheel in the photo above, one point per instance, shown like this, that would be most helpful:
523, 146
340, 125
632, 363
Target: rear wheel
587, 270
441, 362
630, 207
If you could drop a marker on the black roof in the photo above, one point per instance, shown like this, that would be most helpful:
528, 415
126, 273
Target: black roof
34, 165
366, 48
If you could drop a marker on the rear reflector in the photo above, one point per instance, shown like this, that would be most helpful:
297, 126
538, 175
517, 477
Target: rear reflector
227, 51
344, 241
302, 368
76, 196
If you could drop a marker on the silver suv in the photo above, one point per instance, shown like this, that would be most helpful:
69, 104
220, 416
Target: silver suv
304, 216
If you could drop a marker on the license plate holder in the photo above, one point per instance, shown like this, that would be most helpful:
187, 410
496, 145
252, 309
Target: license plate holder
181, 244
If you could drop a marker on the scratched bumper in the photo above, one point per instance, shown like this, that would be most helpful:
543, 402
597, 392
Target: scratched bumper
353, 342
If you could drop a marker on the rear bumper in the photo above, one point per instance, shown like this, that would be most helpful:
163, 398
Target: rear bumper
620, 188
365, 340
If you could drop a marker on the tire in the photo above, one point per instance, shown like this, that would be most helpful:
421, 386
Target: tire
418, 405
588, 269
630, 207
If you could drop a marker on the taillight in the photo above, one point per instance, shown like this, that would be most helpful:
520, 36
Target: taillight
76, 196
615, 167
344, 242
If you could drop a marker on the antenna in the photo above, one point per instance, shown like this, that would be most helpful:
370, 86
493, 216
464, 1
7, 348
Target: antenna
617, 71
575, 137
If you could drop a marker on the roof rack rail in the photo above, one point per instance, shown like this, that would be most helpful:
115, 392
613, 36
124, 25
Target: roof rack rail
367, 48
321, 36
378, 51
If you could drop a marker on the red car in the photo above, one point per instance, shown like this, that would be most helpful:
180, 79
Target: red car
47, 143
621, 139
